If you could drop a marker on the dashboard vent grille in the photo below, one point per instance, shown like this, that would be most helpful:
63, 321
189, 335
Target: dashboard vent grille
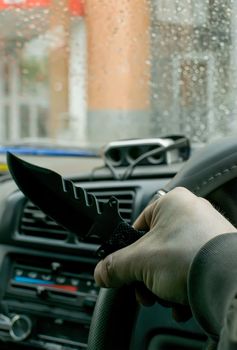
34, 223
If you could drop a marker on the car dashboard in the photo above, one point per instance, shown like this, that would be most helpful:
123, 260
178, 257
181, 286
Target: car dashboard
47, 290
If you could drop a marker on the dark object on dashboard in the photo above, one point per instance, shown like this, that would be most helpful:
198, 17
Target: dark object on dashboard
72, 207
125, 152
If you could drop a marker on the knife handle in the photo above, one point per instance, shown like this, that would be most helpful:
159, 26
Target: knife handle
123, 235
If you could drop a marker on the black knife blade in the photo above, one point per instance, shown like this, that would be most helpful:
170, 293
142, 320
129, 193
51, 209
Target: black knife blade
72, 207
57, 197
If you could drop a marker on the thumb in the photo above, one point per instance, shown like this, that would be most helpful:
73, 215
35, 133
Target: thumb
143, 222
117, 269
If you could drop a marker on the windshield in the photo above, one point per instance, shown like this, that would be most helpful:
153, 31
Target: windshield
88, 72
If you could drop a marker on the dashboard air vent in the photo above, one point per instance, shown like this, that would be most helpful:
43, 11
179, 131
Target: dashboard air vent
34, 223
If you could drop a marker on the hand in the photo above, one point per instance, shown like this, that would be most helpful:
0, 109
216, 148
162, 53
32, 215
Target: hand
178, 225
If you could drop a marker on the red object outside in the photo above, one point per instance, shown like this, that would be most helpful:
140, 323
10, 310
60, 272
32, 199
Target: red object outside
76, 6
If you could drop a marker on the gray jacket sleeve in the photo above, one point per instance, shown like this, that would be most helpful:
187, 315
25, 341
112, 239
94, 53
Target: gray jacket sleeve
212, 287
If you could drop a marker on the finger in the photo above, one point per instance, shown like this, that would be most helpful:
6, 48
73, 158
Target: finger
140, 223
143, 221
117, 269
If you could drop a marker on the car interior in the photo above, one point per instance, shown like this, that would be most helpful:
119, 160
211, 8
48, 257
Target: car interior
37, 253
125, 100
48, 293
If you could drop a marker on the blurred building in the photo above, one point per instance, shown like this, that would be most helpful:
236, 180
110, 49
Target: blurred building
67, 76
193, 72
42, 69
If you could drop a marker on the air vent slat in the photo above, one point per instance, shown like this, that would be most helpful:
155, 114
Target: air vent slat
125, 211
124, 194
35, 223
40, 229
121, 201
47, 222
26, 220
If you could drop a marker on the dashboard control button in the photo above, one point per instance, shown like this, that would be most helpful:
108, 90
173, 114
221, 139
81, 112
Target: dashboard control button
56, 267
75, 282
46, 277
32, 274
60, 280
19, 272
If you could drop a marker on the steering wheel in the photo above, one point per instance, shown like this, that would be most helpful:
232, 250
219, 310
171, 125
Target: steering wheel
209, 173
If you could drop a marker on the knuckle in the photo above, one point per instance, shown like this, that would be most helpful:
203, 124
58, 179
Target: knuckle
182, 191
108, 270
148, 212
177, 194
179, 200
184, 195
103, 272
164, 199
205, 201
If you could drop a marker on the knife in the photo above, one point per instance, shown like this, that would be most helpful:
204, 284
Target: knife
72, 207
